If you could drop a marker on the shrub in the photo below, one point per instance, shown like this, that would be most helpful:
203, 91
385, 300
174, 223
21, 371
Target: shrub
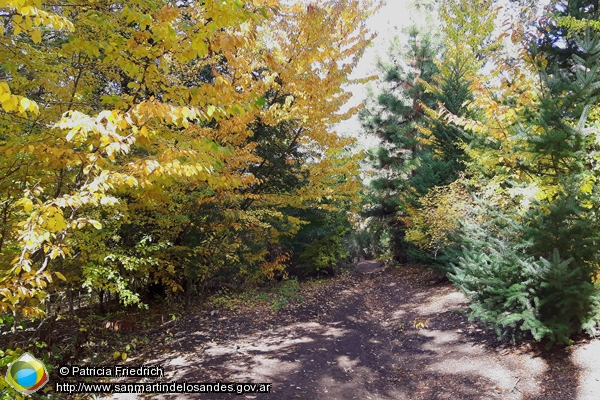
515, 290
434, 226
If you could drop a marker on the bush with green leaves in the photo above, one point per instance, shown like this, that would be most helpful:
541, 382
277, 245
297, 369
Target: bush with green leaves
518, 291
318, 247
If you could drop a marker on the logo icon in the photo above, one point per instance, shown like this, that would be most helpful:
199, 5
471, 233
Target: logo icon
27, 374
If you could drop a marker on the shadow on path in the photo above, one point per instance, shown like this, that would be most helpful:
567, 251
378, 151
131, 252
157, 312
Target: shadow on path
395, 334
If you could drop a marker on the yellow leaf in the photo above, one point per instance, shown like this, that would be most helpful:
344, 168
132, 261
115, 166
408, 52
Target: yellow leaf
36, 36
56, 222
14, 102
96, 224
116, 355
60, 276
131, 181
4, 88
27, 205
123, 356
8, 104
54, 253
52, 224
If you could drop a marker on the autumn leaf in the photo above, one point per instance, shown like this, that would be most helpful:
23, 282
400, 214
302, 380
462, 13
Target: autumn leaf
36, 36
60, 276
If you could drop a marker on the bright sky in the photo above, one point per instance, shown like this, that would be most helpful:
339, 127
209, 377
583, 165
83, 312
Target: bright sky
387, 22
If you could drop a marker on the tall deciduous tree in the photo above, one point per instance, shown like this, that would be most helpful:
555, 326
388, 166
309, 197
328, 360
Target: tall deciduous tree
135, 138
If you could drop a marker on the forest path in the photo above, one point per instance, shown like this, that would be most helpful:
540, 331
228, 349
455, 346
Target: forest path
377, 334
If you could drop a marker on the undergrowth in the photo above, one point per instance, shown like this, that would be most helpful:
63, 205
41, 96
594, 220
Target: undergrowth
278, 296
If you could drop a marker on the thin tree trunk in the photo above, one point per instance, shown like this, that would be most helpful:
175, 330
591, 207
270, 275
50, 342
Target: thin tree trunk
13, 335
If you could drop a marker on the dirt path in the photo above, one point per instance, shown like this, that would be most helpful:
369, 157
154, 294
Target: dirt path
375, 334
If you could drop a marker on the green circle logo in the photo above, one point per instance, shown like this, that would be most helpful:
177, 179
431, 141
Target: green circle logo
27, 374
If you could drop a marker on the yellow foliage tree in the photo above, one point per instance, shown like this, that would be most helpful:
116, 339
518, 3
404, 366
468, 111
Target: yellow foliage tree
127, 128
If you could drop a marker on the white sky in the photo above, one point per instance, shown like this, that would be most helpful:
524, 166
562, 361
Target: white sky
387, 22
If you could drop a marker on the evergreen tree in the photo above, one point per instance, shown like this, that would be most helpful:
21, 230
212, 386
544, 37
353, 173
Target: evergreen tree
420, 151
560, 151
467, 26
557, 34
539, 277
393, 115
515, 293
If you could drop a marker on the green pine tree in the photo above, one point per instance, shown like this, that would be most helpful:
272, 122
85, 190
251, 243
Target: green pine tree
394, 115
467, 26
532, 268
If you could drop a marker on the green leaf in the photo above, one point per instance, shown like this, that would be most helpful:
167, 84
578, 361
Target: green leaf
263, 12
